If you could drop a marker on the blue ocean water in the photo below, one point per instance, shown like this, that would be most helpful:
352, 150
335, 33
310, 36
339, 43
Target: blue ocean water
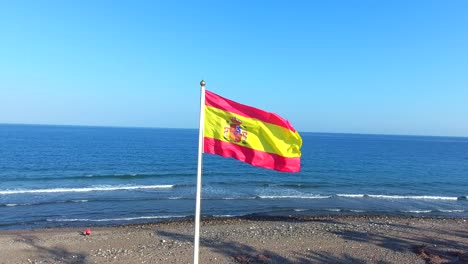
75, 176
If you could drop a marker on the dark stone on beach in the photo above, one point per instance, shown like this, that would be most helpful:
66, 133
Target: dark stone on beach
419, 250
463, 257
434, 259
426, 254
242, 259
262, 258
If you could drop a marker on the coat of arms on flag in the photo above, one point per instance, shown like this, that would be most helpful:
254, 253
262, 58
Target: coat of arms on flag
234, 131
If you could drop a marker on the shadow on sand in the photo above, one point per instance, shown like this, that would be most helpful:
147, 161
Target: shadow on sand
245, 254
55, 254
432, 249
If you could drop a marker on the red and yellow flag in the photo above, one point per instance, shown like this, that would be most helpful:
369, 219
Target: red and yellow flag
250, 135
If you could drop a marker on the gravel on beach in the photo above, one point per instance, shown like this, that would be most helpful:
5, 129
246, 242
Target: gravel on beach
328, 239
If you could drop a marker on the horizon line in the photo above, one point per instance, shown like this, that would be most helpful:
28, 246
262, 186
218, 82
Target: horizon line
195, 128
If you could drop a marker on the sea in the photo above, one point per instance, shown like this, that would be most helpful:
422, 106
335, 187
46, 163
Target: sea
62, 176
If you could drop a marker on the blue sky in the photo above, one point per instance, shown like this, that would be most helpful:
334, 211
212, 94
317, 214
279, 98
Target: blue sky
386, 67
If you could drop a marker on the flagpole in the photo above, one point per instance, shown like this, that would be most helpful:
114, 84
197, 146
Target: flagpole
196, 242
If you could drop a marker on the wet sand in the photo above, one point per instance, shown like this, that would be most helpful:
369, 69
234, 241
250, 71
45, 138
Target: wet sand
334, 239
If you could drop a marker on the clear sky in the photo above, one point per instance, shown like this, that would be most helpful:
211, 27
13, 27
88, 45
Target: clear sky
387, 67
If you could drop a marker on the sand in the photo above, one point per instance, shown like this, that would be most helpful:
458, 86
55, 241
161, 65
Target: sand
362, 239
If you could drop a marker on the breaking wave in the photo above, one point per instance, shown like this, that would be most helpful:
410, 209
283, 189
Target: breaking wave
86, 189
115, 219
413, 197
99, 177
294, 196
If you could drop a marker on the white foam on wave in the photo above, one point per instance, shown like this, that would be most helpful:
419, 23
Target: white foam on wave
385, 196
452, 211
235, 198
350, 195
418, 211
294, 197
416, 197
114, 219
86, 189
226, 215
300, 210
13, 204
79, 201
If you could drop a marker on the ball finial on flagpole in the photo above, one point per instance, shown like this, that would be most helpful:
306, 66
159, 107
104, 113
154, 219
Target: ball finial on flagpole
202, 83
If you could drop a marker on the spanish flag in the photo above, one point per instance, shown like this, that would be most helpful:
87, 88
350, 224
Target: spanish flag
250, 135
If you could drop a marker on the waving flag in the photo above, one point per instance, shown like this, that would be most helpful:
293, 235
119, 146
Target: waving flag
250, 135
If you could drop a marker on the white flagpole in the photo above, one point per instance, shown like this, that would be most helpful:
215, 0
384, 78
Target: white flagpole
196, 242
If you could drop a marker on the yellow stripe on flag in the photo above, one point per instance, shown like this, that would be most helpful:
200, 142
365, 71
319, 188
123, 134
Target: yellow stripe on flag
259, 135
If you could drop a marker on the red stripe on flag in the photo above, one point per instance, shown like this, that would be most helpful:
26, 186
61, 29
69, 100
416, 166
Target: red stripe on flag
214, 100
251, 156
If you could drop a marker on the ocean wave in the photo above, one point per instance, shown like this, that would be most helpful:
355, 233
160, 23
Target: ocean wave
424, 211
417, 211
354, 196
79, 201
184, 185
451, 211
225, 215
344, 210
212, 198
290, 185
293, 197
300, 210
233, 198
35, 204
114, 219
89, 177
351, 195
86, 189
416, 197
98, 200
413, 197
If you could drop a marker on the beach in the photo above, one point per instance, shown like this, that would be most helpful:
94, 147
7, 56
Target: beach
326, 239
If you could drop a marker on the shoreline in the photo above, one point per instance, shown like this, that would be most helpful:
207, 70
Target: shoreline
252, 217
249, 239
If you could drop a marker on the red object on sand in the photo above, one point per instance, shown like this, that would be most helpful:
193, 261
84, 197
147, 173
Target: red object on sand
88, 232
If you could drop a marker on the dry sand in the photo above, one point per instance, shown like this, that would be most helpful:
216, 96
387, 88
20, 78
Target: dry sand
363, 239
